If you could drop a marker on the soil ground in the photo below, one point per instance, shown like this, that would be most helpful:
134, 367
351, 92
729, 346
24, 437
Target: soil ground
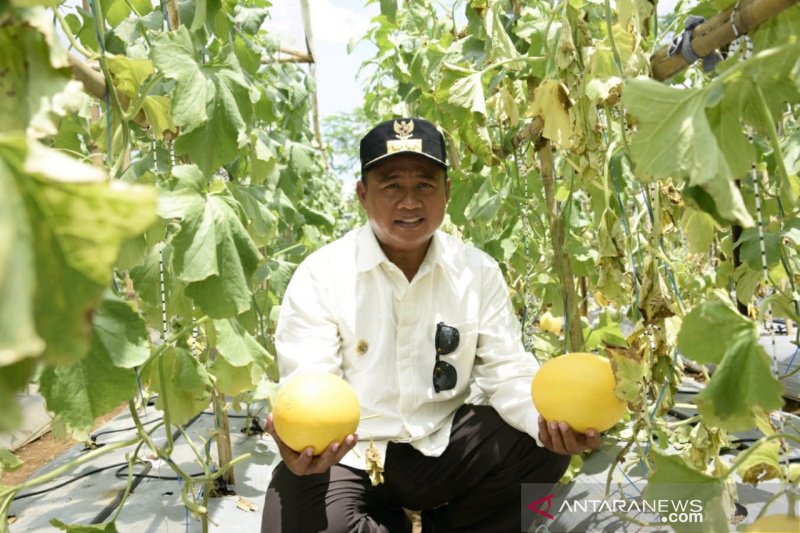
38, 453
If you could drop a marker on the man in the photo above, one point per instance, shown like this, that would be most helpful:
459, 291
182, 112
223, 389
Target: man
418, 323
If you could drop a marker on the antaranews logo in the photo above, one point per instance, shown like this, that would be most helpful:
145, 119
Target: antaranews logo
584, 507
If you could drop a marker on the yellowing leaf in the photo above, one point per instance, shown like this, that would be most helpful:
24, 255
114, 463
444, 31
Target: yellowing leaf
674, 480
761, 464
550, 103
130, 73
699, 229
78, 221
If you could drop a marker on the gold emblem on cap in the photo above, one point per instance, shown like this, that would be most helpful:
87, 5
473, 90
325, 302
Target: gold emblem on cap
403, 129
405, 143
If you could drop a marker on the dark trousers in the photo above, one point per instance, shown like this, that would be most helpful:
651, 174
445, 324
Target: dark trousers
473, 486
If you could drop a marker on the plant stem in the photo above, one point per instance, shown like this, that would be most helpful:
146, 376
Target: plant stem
71, 37
63, 469
611, 41
134, 108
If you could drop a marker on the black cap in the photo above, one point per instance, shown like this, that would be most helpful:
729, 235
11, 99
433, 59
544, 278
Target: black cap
402, 136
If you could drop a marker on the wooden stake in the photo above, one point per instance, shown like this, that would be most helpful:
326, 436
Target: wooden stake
224, 449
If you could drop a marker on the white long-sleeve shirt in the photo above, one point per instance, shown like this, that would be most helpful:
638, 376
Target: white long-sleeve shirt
349, 311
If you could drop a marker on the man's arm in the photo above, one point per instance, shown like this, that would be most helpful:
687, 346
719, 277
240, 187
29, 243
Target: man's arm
504, 371
307, 336
307, 339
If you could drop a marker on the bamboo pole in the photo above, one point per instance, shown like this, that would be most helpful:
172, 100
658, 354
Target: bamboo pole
173, 15
312, 69
267, 60
718, 32
295, 56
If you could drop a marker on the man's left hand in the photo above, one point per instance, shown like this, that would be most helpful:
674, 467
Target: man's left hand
559, 438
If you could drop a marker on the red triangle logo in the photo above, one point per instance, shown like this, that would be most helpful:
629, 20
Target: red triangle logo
535, 506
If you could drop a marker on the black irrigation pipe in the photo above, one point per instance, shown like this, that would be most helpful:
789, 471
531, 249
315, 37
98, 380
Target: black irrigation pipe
93, 438
176, 434
67, 482
106, 511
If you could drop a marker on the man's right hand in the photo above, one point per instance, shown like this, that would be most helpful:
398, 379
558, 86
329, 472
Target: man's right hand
305, 462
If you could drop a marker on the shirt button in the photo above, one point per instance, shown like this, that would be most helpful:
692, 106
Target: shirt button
361, 347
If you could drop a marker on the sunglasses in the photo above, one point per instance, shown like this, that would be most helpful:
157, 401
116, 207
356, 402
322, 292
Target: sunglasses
446, 342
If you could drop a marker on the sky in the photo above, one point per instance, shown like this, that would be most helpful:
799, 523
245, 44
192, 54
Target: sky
334, 24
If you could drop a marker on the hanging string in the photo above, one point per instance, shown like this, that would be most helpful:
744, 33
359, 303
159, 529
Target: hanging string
616, 172
768, 322
164, 324
522, 170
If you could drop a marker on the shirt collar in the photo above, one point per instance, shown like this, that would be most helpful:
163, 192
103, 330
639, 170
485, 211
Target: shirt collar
370, 254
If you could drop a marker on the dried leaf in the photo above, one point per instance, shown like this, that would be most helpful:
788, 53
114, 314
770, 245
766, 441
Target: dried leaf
246, 505
374, 468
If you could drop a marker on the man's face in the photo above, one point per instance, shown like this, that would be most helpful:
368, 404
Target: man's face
405, 199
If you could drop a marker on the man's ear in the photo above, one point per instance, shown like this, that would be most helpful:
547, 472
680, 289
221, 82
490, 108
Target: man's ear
446, 188
361, 192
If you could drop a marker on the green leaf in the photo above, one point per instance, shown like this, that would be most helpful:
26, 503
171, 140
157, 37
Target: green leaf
116, 11
732, 141
476, 136
674, 137
234, 380
301, 159
79, 528
8, 461
486, 202
188, 386
741, 386
33, 73
750, 251
673, 480
211, 102
717, 316
80, 392
462, 88
699, 228
78, 222
121, 333
13, 379
216, 257
249, 19
502, 48
263, 225
236, 345
18, 337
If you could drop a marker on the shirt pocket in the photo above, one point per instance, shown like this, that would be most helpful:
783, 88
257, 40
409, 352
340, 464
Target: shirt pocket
463, 357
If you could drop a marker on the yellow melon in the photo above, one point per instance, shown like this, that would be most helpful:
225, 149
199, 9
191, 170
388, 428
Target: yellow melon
314, 410
553, 324
775, 523
578, 388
